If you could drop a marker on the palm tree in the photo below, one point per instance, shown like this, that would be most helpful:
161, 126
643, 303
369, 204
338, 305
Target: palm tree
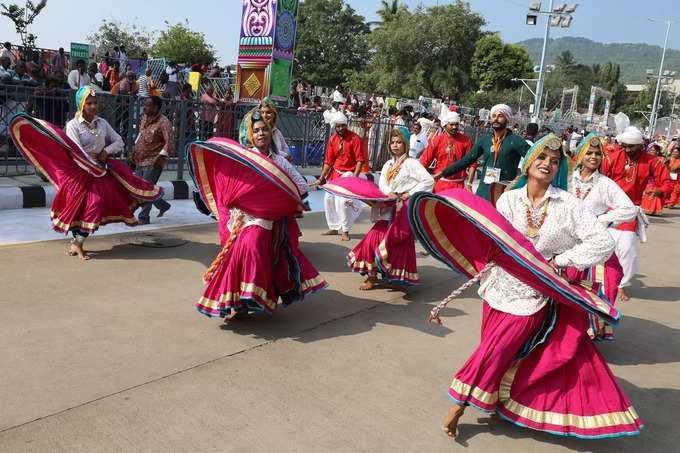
388, 10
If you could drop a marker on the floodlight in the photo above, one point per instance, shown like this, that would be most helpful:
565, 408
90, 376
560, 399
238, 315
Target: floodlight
571, 8
559, 8
555, 21
535, 6
537, 68
566, 22
531, 19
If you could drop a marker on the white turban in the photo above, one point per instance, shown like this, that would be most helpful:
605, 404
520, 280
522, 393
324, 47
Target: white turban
424, 122
338, 97
630, 136
450, 117
338, 118
505, 110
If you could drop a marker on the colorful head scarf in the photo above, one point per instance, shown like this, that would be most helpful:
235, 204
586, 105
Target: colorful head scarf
81, 96
245, 135
550, 141
583, 147
403, 134
266, 102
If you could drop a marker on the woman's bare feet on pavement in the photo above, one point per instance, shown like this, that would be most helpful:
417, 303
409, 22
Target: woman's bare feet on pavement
235, 315
450, 426
622, 296
77, 250
369, 283
345, 236
330, 233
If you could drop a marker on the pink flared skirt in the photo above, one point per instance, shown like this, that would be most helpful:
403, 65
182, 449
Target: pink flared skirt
563, 386
605, 279
84, 202
260, 267
395, 255
362, 257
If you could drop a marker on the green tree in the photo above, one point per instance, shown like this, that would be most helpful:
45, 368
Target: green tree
413, 51
22, 18
640, 102
135, 38
183, 45
494, 64
331, 39
389, 11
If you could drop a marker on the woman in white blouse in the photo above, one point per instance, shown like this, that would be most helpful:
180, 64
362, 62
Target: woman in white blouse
611, 206
600, 194
389, 248
552, 379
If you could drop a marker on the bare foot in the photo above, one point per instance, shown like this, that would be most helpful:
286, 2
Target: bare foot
423, 253
77, 250
345, 236
622, 296
369, 283
330, 233
450, 426
235, 315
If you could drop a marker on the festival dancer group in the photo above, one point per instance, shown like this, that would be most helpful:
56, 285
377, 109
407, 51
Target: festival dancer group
543, 256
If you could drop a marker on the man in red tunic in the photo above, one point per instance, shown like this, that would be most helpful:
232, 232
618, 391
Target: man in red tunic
447, 148
343, 158
631, 167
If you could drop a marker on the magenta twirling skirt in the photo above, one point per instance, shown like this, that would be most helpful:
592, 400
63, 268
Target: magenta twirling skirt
260, 267
362, 257
396, 253
563, 386
244, 279
607, 275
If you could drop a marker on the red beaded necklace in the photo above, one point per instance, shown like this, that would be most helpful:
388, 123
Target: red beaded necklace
578, 193
532, 230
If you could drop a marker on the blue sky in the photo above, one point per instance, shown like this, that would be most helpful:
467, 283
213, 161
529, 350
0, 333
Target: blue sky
64, 21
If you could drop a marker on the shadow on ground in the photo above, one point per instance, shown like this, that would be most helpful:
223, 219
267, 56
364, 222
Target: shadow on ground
651, 405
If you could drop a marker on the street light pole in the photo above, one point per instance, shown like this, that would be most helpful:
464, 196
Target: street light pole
670, 123
652, 118
539, 86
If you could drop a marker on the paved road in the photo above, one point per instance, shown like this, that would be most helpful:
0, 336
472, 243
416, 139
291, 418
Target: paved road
109, 356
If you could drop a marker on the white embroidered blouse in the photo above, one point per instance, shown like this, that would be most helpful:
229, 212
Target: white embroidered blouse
570, 234
411, 178
599, 194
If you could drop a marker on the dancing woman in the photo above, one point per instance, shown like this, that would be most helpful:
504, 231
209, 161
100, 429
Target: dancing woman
541, 384
389, 247
612, 207
255, 202
92, 188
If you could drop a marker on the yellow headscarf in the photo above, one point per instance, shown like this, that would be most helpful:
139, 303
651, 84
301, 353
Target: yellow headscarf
583, 147
81, 96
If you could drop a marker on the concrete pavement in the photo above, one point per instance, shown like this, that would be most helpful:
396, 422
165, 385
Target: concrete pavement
109, 355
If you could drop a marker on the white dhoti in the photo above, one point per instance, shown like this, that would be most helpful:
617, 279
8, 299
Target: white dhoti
341, 213
626, 252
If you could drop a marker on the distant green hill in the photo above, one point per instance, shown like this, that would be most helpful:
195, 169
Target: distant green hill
633, 58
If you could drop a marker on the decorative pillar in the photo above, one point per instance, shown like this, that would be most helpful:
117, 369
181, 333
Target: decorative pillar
266, 51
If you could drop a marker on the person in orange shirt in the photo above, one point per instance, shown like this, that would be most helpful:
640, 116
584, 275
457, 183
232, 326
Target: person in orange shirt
674, 169
343, 158
447, 148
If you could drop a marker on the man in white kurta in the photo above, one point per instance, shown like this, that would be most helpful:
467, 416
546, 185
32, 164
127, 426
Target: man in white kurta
343, 158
